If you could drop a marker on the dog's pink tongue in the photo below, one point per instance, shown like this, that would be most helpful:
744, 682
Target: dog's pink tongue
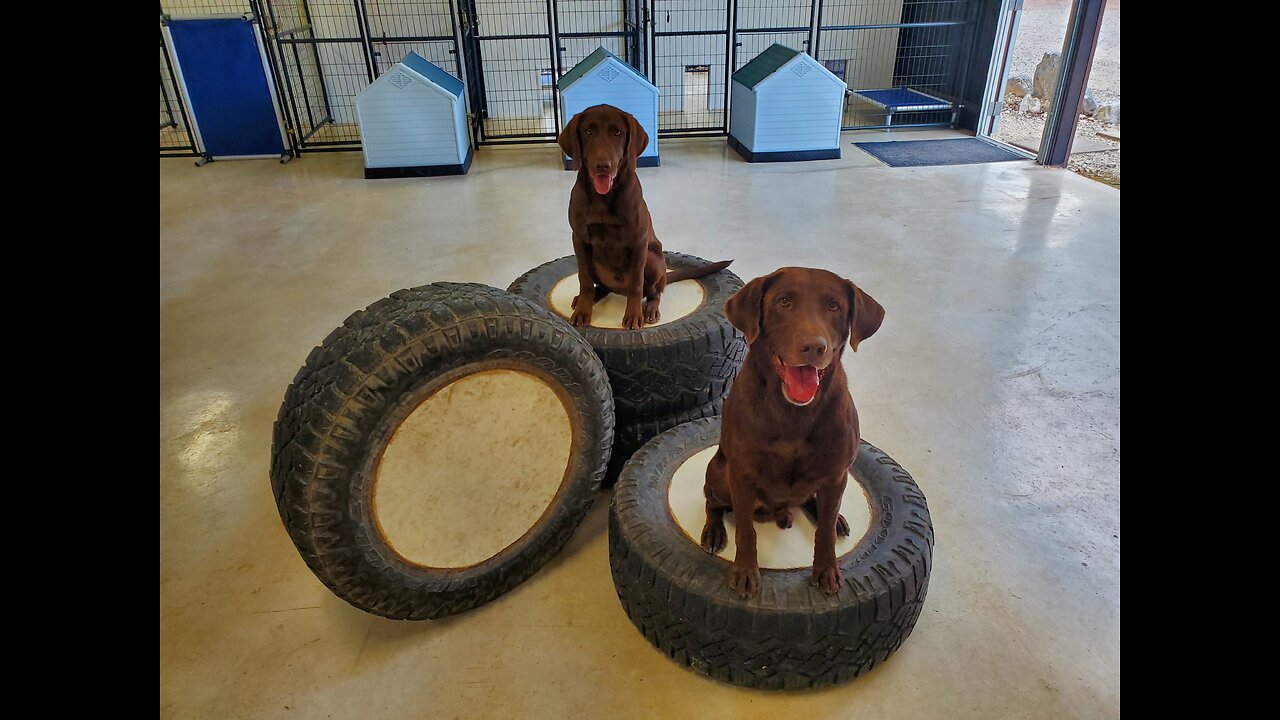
603, 183
801, 382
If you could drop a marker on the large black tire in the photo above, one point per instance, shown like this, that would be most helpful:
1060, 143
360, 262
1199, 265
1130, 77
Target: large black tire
629, 438
790, 636
363, 380
666, 369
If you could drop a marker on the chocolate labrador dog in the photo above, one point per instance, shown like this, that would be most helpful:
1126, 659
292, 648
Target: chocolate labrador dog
613, 236
789, 431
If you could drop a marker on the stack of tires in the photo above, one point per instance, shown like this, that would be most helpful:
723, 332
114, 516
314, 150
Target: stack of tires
662, 375
445, 442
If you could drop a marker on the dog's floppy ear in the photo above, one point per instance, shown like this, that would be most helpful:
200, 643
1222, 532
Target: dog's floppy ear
744, 308
637, 139
568, 140
866, 315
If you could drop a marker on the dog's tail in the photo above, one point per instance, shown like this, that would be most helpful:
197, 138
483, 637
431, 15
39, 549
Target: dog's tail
696, 272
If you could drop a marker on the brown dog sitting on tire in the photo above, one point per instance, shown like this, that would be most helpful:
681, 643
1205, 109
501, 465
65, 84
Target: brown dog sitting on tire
789, 431
613, 236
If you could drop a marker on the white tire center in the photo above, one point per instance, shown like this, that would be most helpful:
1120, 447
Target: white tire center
679, 300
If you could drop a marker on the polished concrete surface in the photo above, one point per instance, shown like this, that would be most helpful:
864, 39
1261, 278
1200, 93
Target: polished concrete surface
995, 380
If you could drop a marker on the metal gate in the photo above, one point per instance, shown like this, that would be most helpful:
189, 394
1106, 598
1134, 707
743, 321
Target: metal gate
326, 51
761, 23
916, 45
690, 60
518, 49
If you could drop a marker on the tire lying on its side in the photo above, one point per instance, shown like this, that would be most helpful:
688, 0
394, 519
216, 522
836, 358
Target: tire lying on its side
439, 448
791, 635
680, 364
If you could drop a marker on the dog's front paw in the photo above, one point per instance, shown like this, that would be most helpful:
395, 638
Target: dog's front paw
714, 538
632, 319
651, 314
826, 578
581, 316
745, 580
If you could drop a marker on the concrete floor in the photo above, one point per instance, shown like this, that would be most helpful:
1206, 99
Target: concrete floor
995, 380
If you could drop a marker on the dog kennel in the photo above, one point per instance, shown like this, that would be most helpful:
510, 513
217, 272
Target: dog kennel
604, 78
786, 106
413, 122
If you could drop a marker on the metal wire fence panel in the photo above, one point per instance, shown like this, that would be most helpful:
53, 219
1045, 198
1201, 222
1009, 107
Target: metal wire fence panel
514, 51
519, 88
441, 52
391, 19
690, 60
773, 15
516, 68
327, 51
397, 27
329, 19
749, 45
761, 23
675, 16
175, 135
590, 17
184, 9
907, 45
524, 18
690, 72
574, 49
612, 24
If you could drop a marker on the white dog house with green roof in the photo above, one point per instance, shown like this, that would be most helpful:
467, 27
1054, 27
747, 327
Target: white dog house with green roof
786, 107
413, 122
603, 78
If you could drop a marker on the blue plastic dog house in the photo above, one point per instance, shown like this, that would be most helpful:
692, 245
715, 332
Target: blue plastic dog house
603, 78
786, 106
413, 122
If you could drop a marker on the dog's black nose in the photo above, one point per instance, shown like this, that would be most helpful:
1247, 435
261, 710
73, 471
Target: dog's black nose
813, 348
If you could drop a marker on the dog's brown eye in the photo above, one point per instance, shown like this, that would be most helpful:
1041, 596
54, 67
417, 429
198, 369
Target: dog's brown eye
616, 132
784, 302
833, 307
591, 131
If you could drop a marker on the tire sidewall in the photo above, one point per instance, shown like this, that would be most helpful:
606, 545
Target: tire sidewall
696, 356
873, 596
430, 337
